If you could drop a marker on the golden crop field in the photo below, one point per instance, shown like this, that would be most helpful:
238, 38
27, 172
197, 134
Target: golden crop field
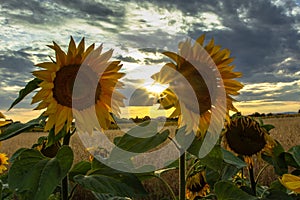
287, 132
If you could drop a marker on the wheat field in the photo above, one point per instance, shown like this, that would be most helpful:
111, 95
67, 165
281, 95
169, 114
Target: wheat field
287, 132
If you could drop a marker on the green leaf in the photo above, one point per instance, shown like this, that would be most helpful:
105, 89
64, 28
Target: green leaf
104, 184
31, 86
109, 197
147, 140
289, 159
229, 171
295, 152
54, 138
214, 159
103, 179
228, 191
268, 127
17, 127
230, 158
277, 194
35, 177
277, 159
80, 168
276, 185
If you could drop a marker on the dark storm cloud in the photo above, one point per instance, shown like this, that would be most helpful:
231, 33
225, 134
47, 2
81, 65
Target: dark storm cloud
15, 67
127, 59
260, 35
56, 12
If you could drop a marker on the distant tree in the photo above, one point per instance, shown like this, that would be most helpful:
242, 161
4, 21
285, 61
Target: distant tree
256, 114
146, 118
299, 111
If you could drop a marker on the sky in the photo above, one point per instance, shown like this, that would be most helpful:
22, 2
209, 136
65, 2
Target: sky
263, 36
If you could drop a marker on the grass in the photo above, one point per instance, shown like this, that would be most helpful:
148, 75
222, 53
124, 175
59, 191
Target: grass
287, 132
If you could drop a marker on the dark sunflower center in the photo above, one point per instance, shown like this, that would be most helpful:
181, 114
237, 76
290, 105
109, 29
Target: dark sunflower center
202, 102
86, 86
245, 139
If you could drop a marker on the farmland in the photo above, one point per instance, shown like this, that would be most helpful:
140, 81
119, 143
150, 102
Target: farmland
286, 131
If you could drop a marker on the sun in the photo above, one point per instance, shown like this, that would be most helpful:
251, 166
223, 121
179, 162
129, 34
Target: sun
155, 88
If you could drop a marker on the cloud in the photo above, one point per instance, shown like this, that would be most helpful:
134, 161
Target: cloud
141, 97
263, 36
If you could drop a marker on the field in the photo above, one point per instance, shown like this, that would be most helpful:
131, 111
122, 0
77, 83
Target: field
287, 132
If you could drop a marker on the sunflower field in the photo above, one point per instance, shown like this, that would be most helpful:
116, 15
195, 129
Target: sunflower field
216, 155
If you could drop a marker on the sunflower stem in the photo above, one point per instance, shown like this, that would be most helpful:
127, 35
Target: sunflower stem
252, 180
260, 172
182, 175
64, 182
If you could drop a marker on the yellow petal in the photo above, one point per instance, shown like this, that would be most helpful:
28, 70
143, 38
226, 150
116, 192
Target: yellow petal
200, 39
50, 66
81, 47
40, 95
291, 182
44, 75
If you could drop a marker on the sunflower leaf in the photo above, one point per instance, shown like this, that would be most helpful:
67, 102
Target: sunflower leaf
214, 159
31, 86
295, 152
35, 176
79, 168
277, 159
228, 191
230, 158
105, 180
268, 127
17, 127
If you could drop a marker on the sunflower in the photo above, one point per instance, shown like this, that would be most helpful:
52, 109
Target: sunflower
245, 137
2, 116
291, 182
95, 86
3, 162
194, 72
196, 185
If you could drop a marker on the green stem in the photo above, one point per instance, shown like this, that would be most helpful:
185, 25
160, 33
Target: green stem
252, 180
191, 169
72, 191
182, 176
64, 182
260, 172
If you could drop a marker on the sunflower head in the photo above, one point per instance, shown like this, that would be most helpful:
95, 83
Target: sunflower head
245, 137
79, 80
200, 82
291, 182
196, 185
3, 162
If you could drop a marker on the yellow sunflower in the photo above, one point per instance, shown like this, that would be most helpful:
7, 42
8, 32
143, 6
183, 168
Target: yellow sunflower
95, 86
245, 137
196, 186
3, 162
2, 116
291, 182
194, 72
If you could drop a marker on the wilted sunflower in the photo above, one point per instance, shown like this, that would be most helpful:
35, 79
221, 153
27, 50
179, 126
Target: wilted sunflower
194, 72
3, 162
196, 185
58, 78
245, 137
